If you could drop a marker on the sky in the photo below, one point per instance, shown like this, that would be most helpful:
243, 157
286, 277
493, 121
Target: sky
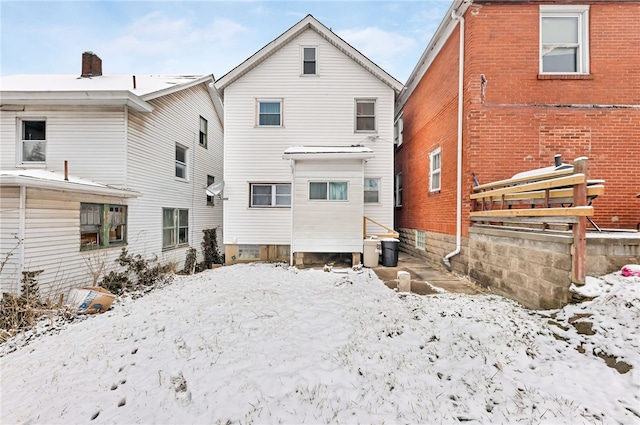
267, 344
201, 37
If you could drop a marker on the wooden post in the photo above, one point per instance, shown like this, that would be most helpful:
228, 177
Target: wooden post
579, 266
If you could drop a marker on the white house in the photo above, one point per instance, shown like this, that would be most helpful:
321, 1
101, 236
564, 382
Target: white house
308, 148
92, 163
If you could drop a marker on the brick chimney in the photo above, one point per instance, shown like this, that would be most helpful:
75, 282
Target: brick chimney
91, 65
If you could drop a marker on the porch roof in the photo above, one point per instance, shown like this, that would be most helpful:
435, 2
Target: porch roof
328, 152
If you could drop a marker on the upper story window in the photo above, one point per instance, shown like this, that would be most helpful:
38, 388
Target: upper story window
309, 61
329, 191
564, 39
398, 190
203, 132
270, 113
102, 225
33, 140
371, 191
366, 115
181, 162
434, 170
397, 131
271, 195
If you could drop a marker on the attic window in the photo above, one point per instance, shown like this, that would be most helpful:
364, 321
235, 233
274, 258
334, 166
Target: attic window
309, 61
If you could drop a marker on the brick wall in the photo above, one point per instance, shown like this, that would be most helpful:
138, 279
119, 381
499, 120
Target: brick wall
515, 121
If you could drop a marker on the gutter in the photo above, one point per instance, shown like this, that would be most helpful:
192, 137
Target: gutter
447, 259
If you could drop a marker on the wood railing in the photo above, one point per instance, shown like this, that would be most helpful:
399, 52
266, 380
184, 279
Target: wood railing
557, 197
389, 234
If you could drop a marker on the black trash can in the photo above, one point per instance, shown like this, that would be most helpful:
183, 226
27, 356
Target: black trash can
390, 252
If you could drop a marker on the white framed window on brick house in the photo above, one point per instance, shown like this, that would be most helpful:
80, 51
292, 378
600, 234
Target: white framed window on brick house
366, 115
564, 39
397, 131
204, 130
421, 237
102, 225
398, 190
270, 195
175, 227
371, 191
181, 162
435, 170
328, 191
309, 60
33, 141
270, 113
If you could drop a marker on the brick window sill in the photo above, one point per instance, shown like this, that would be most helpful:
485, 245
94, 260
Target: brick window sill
565, 77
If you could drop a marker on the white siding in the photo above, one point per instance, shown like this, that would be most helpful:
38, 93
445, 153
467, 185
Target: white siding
151, 160
328, 226
317, 110
91, 139
9, 244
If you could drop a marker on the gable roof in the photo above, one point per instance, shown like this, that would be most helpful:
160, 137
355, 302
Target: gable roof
308, 22
120, 89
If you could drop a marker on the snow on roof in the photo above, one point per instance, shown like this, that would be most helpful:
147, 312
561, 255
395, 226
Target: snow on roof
145, 84
328, 152
53, 180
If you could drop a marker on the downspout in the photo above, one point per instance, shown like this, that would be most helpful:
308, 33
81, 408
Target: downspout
293, 182
446, 259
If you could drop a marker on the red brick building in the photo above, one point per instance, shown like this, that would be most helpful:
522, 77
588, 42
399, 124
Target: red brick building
539, 78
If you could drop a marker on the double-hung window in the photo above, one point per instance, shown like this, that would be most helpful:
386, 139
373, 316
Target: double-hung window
564, 39
371, 191
271, 195
210, 199
181, 162
270, 113
203, 132
398, 190
366, 115
435, 170
397, 131
33, 140
328, 191
309, 61
175, 227
102, 225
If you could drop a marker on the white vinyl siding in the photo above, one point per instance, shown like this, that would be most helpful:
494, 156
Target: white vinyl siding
564, 39
319, 111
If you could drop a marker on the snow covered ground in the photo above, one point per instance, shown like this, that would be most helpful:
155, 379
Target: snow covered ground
269, 344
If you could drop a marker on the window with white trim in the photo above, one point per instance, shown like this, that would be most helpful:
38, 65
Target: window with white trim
328, 191
309, 60
204, 130
421, 239
175, 227
270, 195
371, 191
397, 131
181, 161
270, 113
210, 199
398, 190
102, 225
564, 39
435, 168
365, 115
33, 141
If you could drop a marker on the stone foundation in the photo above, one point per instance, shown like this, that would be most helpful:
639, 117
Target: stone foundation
437, 246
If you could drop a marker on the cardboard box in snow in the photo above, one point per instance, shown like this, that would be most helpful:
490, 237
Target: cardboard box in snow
90, 300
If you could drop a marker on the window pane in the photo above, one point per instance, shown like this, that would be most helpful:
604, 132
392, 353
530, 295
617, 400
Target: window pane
365, 108
318, 190
168, 237
269, 119
283, 194
33, 130
435, 181
338, 191
309, 54
181, 154
261, 195
183, 218
368, 123
33, 151
269, 107
560, 29
183, 236
560, 59
309, 68
167, 218
181, 171
436, 162
371, 197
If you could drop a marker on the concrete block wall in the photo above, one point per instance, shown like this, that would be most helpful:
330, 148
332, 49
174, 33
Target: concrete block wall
609, 254
531, 268
437, 245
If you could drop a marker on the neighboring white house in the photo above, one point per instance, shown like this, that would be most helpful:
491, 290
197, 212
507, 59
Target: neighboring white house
308, 148
137, 151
